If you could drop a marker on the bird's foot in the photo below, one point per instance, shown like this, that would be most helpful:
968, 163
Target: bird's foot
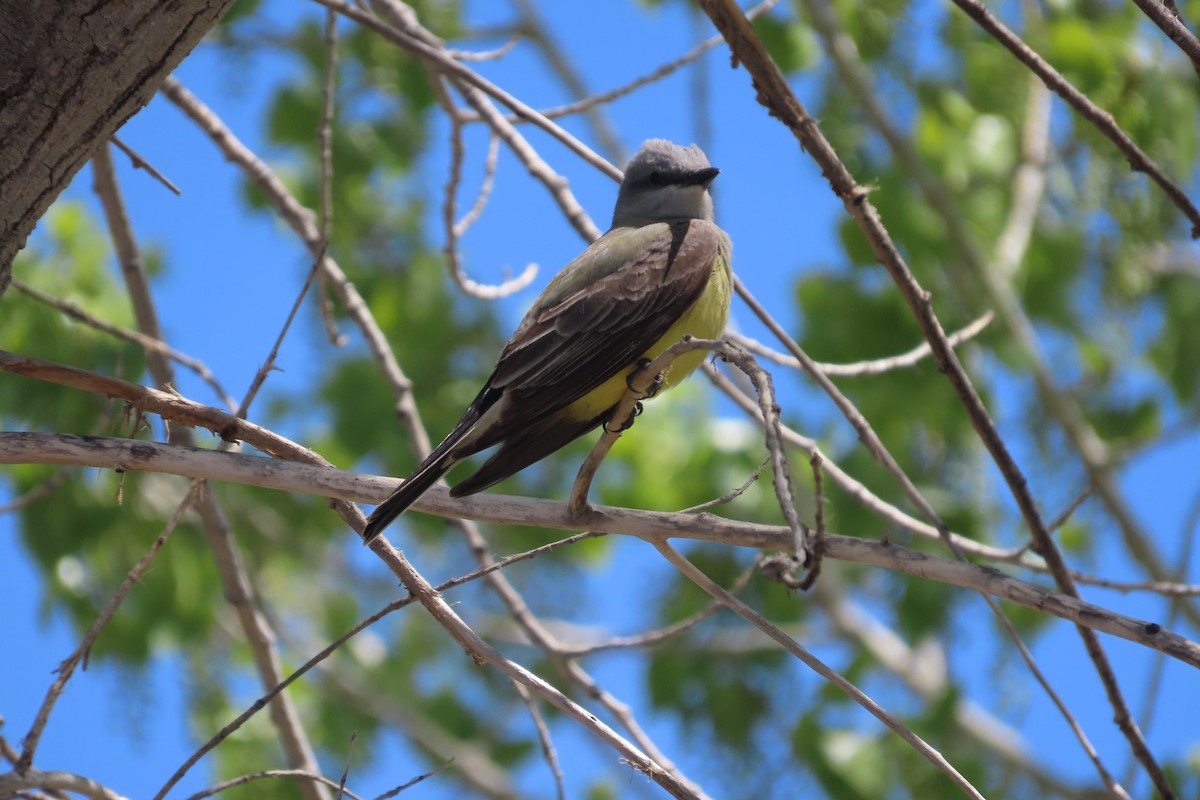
628, 423
651, 390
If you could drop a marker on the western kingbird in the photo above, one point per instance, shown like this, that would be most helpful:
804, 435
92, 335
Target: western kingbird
661, 272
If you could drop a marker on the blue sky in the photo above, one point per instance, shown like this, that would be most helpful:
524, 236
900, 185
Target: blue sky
781, 218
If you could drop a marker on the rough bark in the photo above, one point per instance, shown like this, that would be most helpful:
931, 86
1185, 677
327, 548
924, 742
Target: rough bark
71, 73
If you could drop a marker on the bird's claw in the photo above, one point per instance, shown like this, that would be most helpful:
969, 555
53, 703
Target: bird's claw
651, 390
628, 423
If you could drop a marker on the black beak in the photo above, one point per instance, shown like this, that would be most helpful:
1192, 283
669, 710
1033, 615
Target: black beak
703, 177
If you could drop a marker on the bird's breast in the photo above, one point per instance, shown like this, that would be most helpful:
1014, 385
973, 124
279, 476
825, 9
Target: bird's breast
705, 319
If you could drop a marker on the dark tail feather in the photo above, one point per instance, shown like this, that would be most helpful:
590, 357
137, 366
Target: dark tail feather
523, 449
435, 465
415, 485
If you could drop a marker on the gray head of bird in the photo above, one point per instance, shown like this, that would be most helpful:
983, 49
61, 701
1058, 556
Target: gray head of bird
665, 182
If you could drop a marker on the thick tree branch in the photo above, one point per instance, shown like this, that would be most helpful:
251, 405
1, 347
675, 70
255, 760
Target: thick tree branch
130, 455
71, 73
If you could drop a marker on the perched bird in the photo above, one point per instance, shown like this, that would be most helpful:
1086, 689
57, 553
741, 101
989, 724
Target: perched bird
661, 272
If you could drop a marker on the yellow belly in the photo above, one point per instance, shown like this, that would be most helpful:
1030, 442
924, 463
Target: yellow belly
704, 320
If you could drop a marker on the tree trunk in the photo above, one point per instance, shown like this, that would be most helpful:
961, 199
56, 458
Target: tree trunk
71, 73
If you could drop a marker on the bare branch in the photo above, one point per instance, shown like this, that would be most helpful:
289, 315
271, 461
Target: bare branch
485, 188
486, 55
1098, 117
714, 589
629, 88
346, 769
818, 545
302, 221
141, 163
456, 229
234, 578
1167, 19
75, 312
652, 638
543, 731
14, 783
67, 667
303, 775
1029, 182
310, 478
260, 375
775, 93
440, 61
43, 489
325, 150
923, 669
875, 366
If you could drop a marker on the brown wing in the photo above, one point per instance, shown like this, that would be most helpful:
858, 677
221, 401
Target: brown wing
573, 346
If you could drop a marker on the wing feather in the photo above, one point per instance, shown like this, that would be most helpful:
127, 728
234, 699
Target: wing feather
570, 346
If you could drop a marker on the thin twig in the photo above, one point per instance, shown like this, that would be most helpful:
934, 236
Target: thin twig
775, 93
43, 489
875, 366
138, 338
393, 792
659, 635
67, 667
693, 573
1098, 117
485, 188
346, 769
456, 229
1029, 180
486, 55
260, 376
141, 163
438, 60
558, 112
1065, 516
543, 731
1167, 19
732, 495
302, 774
325, 150
818, 542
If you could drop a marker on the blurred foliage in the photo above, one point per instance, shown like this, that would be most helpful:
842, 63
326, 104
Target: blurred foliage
1094, 268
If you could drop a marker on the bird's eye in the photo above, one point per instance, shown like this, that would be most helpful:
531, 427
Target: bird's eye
655, 178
